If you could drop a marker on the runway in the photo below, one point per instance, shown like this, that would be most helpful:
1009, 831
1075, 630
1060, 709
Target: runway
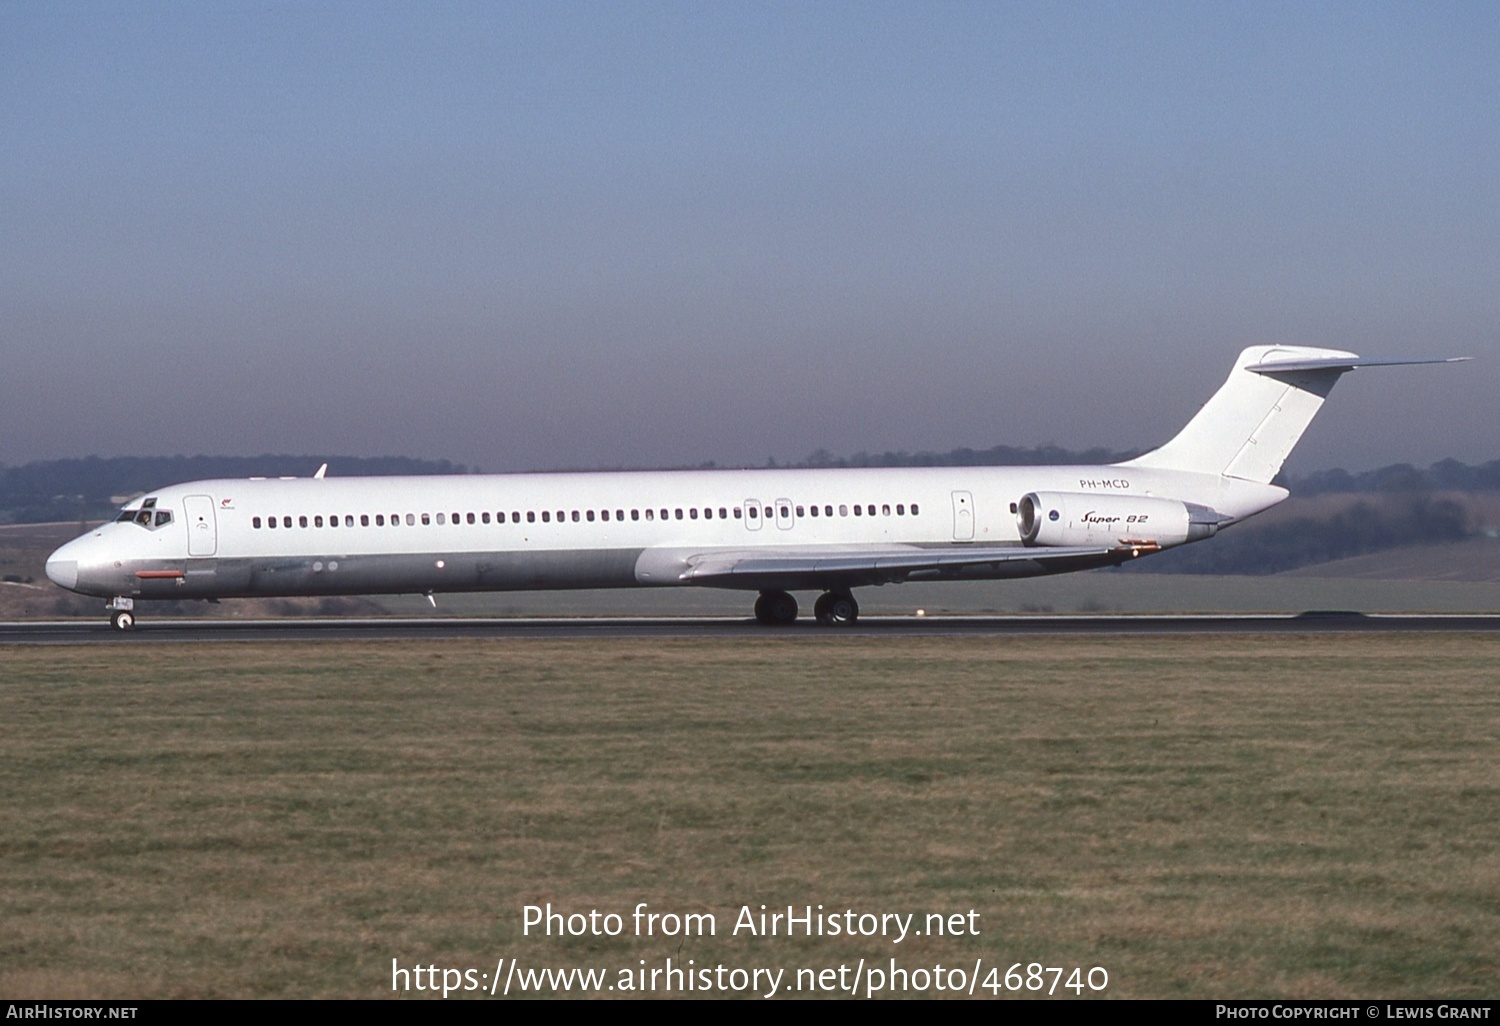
74, 632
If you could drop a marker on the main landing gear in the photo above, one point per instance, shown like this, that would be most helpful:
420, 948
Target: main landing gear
833, 609
836, 609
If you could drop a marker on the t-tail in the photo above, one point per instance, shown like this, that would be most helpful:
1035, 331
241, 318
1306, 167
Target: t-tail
1249, 427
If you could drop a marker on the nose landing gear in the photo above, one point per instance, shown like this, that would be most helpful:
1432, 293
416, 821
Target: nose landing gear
121, 613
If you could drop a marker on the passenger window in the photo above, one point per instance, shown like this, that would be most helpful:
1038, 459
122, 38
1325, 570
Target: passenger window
650, 514
469, 518
301, 521
515, 516
828, 511
590, 516
914, 509
379, 519
619, 514
785, 512
813, 510
679, 514
546, 516
752, 513
736, 512
411, 520
427, 519
440, 518
900, 509
530, 517
885, 510
364, 520
843, 510
255, 523
799, 511
317, 521
271, 522
333, 521
575, 516
858, 509
348, 519
635, 514
604, 514
692, 514
664, 514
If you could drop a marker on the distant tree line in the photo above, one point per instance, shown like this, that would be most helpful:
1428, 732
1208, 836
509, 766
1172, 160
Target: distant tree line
1364, 527
1444, 476
85, 489
996, 456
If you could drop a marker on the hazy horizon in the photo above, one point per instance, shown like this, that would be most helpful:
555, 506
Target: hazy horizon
527, 235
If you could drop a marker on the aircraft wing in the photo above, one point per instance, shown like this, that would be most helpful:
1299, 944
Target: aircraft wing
883, 564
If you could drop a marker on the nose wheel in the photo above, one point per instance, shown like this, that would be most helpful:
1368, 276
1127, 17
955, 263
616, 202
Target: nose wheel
121, 612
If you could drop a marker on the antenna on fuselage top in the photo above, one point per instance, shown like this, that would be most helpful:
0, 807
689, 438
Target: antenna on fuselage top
321, 471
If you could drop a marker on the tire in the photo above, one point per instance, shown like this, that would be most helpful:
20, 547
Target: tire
122, 620
776, 609
843, 610
835, 610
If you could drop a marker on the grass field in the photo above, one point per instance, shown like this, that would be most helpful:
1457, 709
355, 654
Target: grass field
1201, 817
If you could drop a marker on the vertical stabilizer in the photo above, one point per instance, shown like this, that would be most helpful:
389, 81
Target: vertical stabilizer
1253, 421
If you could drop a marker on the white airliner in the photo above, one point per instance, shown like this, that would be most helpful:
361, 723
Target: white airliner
767, 531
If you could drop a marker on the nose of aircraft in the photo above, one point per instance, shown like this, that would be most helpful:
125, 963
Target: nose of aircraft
62, 567
64, 572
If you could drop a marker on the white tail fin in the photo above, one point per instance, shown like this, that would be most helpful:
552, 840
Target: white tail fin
1253, 421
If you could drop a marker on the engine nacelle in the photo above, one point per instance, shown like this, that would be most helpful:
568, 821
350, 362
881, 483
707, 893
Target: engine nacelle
1068, 518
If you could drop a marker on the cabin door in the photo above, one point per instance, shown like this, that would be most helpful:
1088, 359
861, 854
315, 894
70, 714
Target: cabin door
203, 530
784, 518
963, 516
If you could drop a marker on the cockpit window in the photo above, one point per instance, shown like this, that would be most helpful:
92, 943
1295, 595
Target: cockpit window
148, 516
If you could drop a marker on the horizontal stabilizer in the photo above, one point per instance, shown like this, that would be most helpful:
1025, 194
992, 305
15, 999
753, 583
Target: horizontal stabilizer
1338, 363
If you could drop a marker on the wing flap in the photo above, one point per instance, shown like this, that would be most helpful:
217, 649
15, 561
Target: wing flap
892, 562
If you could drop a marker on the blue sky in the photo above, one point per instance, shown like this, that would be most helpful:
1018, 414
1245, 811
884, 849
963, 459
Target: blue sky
554, 235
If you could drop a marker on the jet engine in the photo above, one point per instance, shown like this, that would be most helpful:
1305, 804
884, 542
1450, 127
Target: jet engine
1068, 518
